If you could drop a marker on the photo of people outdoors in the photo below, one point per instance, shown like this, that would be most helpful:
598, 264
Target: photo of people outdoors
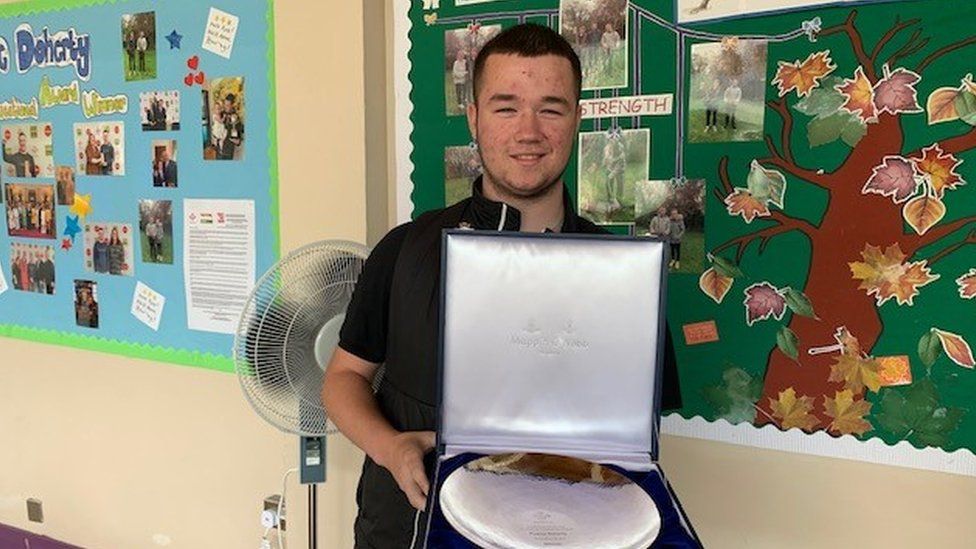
728, 86
32, 268
462, 165
66, 185
674, 211
160, 110
164, 168
597, 29
86, 303
100, 148
108, 248
30, 210
27, 150
223, 119
461, 46
156, 231
139, 45
610, 164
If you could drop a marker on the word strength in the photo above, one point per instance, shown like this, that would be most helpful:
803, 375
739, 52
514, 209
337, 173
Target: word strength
64, 48
638, 105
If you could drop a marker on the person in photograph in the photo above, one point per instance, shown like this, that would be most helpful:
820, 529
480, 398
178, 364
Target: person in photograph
527, 83
45, 270
459, 74
116, 253
660, 224
167, 169
142, 44
86, 308
615, 163
157, 173
100, 257
22, 161
710, 98
66, 186
233, 127
609, 43
32, 263
129, 44
160, 114
107, 151
93, 156
16, 258
47, 217
13, 217
24, 268
731, 99
676, 231
154, 236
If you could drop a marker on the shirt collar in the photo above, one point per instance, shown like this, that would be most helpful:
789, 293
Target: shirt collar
486, 214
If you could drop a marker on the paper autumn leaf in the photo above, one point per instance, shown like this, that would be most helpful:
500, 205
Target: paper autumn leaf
792, 411
885, 276
941, 105
957, 348
923, 212
967, 284
714, 284
803, 76
849, 344
848, 415
741, 202
762, 301
735, 398
856, 372
766, 186
895, 93
859, 95
895, 177
914, 413
939, 169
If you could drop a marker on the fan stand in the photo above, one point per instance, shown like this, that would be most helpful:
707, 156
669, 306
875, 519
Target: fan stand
312, 472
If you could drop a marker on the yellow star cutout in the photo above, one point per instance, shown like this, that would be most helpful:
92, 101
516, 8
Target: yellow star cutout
82, 206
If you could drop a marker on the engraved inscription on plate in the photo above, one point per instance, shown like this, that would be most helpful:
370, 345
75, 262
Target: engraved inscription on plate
540, 500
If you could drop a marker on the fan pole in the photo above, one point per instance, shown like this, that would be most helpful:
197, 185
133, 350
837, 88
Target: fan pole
312, 514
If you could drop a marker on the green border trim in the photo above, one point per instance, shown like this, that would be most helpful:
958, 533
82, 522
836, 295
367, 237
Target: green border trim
157, 353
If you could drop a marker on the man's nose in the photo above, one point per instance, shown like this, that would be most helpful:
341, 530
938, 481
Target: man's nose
529, 128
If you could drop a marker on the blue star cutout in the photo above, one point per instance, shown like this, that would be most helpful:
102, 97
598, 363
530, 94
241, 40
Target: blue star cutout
71, 227
174, 39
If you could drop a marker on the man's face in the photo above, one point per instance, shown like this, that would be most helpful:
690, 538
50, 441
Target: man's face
164, 156
525, 120
22, 143
105, 138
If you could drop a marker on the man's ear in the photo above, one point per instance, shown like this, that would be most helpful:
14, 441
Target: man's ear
472, 113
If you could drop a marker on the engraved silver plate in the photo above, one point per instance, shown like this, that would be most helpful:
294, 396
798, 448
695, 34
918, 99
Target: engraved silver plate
540, 500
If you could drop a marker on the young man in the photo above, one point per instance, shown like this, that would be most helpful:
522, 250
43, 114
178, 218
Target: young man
107, 152
22, 160
525, 117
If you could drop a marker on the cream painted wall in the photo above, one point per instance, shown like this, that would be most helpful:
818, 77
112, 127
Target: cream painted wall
131, 454
124, 450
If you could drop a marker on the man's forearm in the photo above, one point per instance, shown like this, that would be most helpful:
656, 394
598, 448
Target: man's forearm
353, 409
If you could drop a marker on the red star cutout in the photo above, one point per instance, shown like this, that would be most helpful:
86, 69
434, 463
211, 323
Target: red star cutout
66, 244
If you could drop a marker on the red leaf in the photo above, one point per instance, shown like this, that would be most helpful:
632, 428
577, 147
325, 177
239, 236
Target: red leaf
896, 93
957, 348
741, 202
967, 284
762, 301
859, 95
894, 178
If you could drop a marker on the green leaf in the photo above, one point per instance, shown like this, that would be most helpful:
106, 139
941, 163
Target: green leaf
915, 414
929, 348
734, 399
853, 131
766, 185
965, 104
726, 267
787, 342
822, 101
821, 131
798, 302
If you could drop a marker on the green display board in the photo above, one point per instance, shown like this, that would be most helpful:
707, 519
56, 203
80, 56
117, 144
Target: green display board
816, 154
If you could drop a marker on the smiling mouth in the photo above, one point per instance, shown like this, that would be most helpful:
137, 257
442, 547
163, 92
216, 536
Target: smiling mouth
528, 158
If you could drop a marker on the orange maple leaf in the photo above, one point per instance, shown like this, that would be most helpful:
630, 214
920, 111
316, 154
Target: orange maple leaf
939, 169
792, 411
884, 275
967, 284
860, 96
741, 202
848, 415
803, 76
714, 284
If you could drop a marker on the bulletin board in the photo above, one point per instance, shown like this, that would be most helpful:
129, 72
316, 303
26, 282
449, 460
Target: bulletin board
139, 173
812, 160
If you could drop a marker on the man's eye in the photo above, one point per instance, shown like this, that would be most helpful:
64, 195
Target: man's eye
506, 110
552, 112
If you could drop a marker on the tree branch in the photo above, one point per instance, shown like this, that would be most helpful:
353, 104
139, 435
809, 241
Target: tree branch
970, 239
953, 145
786, 160
785, 223
913, 45
857, 44
917, 242
896, 28
942, 51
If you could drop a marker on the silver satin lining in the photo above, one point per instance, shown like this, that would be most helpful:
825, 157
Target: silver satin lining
550, 345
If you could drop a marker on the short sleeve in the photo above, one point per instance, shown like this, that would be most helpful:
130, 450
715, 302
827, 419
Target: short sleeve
365, 328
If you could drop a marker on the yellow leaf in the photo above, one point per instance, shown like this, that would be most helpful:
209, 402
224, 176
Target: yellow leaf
885, 276
714, 284
860, 96
848, 415
857, 372
941, 106
792, 411
923, 212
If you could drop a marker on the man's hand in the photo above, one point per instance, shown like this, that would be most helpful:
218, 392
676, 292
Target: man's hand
404, 459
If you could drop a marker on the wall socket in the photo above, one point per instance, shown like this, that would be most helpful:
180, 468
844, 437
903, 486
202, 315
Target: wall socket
271, 504
35, 510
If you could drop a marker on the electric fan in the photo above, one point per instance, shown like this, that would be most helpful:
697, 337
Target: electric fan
286, 334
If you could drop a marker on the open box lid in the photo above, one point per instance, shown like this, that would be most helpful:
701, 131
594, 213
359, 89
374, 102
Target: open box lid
552, 343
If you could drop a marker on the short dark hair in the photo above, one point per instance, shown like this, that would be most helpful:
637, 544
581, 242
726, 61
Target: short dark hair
528, 40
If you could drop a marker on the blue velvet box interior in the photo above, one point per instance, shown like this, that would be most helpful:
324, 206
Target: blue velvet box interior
552, 343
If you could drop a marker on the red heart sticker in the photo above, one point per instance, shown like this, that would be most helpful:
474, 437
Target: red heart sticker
188, 80
193, 62
200, 78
